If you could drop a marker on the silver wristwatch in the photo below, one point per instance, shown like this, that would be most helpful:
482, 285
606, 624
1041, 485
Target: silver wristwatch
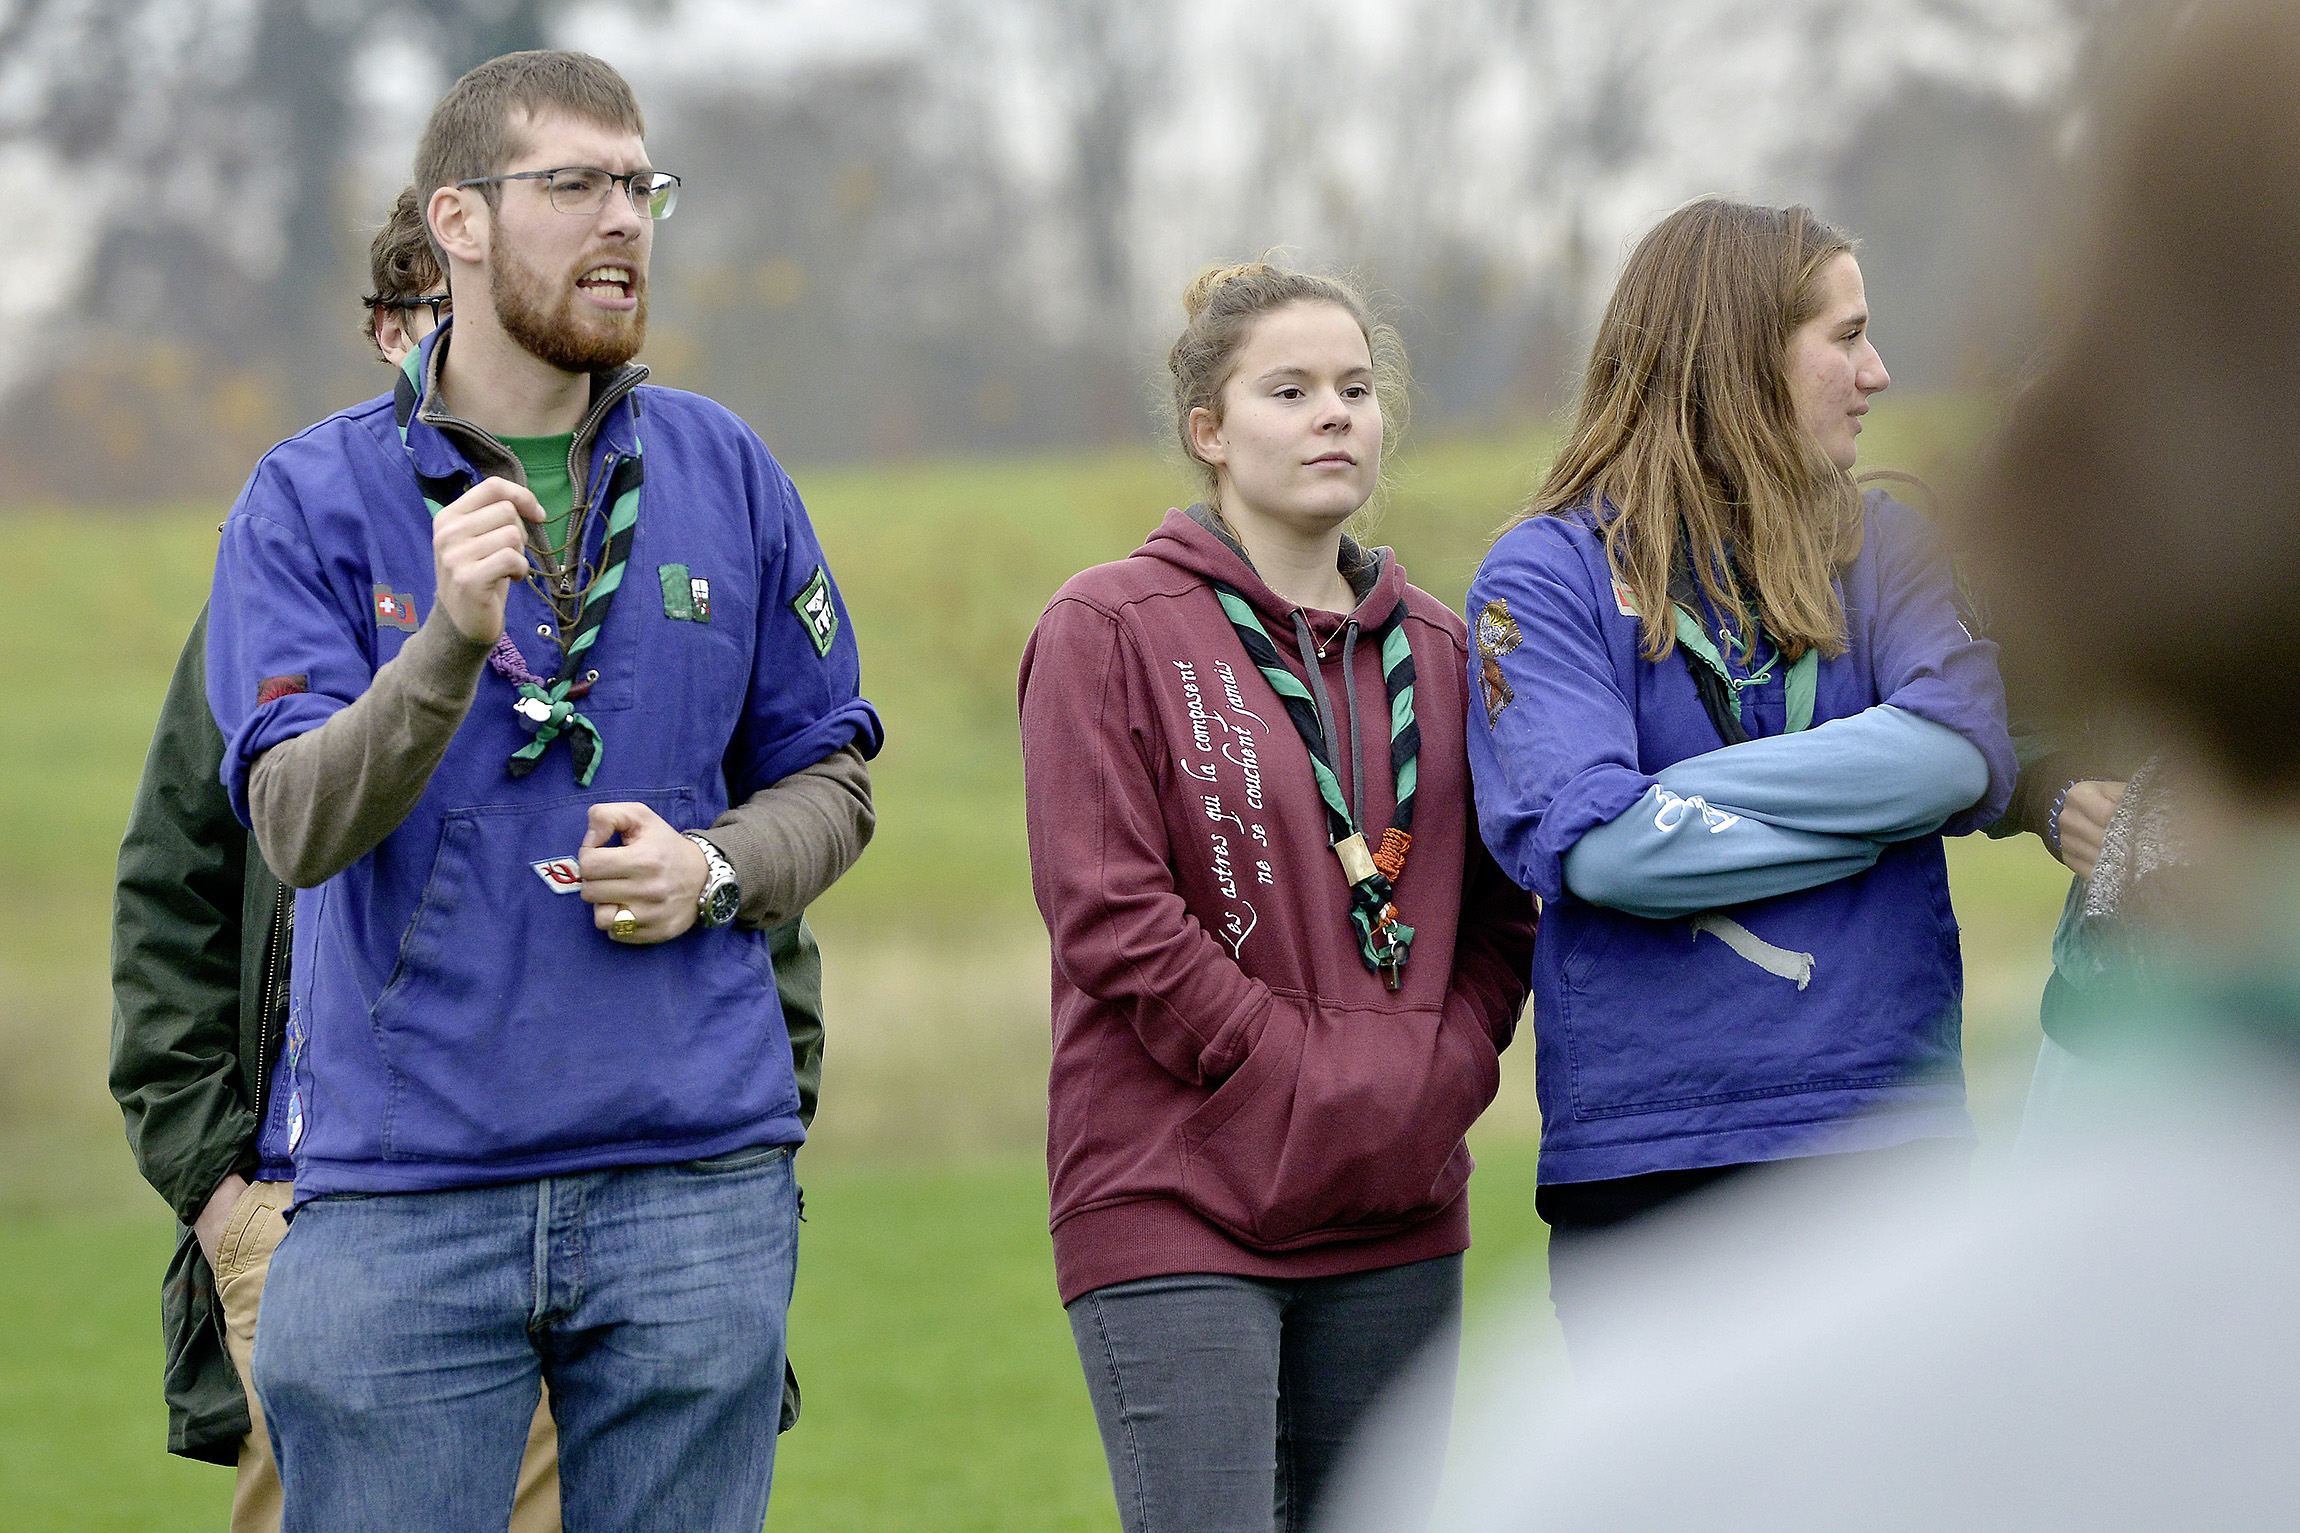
722, 896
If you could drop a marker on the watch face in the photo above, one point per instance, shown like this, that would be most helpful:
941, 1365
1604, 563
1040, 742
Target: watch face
720, 903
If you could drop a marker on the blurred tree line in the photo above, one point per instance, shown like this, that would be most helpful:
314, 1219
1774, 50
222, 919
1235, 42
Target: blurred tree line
936, 225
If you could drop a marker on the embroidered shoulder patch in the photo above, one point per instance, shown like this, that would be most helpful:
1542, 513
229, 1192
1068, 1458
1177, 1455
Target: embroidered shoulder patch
685, 597
272, 688
394, 609
816, 612
1497, 631
1497, 635
1495, 686
1624, 602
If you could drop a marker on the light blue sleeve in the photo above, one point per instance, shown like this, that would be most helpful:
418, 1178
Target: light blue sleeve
1883, 773
1776, 815
1671, 855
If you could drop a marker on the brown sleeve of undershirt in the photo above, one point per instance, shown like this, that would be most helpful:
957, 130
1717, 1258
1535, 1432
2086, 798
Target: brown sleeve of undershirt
328, 797
791, 840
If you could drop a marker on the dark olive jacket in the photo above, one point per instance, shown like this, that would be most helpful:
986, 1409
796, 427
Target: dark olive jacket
199, 997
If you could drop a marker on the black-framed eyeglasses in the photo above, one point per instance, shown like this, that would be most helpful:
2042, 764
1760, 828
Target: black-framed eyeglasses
435, 302
583, 189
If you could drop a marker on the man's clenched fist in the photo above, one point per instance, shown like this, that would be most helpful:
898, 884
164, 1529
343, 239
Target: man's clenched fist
633, 860
478, 547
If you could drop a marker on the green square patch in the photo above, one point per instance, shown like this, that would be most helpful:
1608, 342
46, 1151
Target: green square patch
685, 597
817, 613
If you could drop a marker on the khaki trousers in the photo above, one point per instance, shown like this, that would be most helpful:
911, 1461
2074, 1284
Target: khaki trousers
243, 1256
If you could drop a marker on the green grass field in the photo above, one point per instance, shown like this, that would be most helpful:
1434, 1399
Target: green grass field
941, 1388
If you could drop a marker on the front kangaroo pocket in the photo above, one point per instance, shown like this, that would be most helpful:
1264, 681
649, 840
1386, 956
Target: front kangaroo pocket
1664, 1016
513, 1026
1341, 1124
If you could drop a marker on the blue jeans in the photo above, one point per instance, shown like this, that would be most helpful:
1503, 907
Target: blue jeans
1227, 1403
405, 1338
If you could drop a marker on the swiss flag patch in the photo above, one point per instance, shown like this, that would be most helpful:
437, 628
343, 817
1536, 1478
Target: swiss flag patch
395, 609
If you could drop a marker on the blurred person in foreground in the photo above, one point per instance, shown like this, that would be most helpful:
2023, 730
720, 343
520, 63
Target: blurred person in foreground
1726, 709
200, 975
2071, 794
536, 1140
2106, 1339
1283, 966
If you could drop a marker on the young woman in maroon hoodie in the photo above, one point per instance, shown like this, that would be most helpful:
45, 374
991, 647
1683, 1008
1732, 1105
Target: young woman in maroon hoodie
1283, 963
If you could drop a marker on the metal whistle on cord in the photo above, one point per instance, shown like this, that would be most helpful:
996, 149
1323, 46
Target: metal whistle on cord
1359, 870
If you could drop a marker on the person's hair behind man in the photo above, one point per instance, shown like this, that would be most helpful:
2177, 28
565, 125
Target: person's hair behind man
476, 129
400, 262
2140, 526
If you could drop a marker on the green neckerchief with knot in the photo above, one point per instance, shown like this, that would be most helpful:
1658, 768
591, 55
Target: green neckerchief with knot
1720, 690
547, 707
1371, 874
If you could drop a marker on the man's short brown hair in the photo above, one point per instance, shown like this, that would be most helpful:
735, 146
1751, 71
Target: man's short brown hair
475, 128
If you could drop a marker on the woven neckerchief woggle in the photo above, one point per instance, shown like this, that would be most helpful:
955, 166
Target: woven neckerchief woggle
547, 708
1719, 689
1372, 875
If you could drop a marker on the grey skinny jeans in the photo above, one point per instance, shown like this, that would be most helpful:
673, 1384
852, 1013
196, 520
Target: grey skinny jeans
1227, 1403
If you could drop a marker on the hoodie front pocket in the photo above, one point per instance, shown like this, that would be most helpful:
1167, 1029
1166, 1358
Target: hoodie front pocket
513, 1026
1341, 1124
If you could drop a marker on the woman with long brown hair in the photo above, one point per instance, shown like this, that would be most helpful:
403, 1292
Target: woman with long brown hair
1725, 709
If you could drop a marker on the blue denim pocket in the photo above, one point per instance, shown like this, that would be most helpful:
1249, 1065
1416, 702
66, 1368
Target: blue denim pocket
749, 1158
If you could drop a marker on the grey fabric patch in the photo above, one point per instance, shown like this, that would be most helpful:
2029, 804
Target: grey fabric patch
1773, 960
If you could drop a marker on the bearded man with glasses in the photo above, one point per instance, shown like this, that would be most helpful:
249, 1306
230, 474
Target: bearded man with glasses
527, 630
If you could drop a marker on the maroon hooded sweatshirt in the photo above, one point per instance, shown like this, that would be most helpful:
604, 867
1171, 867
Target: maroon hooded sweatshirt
1233, 1089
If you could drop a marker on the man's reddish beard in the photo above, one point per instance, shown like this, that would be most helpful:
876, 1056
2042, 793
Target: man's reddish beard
554, 329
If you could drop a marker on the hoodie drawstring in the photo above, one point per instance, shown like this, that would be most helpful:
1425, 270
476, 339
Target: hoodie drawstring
1350, 698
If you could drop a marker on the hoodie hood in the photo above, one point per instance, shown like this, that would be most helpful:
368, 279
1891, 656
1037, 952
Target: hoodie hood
1194, 541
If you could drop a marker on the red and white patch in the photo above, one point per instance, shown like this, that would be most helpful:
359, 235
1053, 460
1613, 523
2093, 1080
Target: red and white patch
273, 688
564, 875
395, 609
1623, 602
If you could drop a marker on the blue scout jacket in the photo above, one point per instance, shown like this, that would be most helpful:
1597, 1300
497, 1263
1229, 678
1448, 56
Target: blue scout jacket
455, 1018
1660, 1045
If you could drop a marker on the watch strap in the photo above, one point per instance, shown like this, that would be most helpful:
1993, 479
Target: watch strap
720, 875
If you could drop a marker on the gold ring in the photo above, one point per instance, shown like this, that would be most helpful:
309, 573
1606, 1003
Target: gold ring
625, 924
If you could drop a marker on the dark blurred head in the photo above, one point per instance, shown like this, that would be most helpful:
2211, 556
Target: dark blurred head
401, 265
2139, 528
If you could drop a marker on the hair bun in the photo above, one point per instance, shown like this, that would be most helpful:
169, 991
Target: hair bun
1199, 295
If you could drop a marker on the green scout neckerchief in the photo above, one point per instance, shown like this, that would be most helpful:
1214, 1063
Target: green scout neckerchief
1720, 689
1382, 937
548, 707
1803, 674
